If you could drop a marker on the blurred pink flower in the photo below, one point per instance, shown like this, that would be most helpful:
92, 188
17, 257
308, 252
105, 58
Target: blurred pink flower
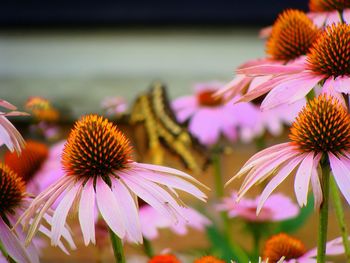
272, 120
38, 165
210, 117
324, 65
8, 133
277, 207
104, 173
329, 123
114, 106
151, 220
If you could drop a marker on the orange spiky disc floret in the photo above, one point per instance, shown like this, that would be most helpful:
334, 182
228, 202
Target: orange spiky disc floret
292, 36
328, 5
330, 55
166, 258
95, 147
323, 125
209, 259
207, 98
12, 190
282, 245
29, 162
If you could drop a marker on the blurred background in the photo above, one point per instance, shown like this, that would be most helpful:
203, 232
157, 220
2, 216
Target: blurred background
76, 53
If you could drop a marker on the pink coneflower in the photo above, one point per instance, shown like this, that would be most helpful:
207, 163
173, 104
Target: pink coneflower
287, 249
321, 130
151, 221
326, 64
291, 38
209, 117
114, 106
271, 212
38, 165
327, 12
8, 133
13, 200
100, 171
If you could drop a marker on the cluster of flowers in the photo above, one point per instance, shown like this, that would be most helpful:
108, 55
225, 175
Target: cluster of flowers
93, 172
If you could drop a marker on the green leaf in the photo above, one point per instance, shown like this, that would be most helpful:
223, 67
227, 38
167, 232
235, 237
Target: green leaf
222, 248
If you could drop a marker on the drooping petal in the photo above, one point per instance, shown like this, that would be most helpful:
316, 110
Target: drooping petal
128, 206
149, 192
61, 213
341, 174
265, 170
277, 180
270, 69
12, 245
86, 212
109, 208
316, 184
168, 170
175, 182
302, 178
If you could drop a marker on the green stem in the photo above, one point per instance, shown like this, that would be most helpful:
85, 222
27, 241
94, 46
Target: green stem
340, 216
148, 247
256, 237
117, 247
323, 220
219, 185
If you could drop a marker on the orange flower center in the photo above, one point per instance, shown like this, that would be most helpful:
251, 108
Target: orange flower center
292, 36
12, 190
166, 258
42, 109
207, 98
209, 259
29, 162
282, 245
328, 5
95, 147
330, 55
322, 126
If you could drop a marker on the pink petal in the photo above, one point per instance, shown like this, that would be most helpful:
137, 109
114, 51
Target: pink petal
86, 212
61, 213
340, 84
128, 206
109, 208
12, 245
262, 157
315, 182
290, 91
341, 171
278, 179
260, 173
175, 182
164, 169
270, 69
302, 178
154, 195
7, 105
234, 87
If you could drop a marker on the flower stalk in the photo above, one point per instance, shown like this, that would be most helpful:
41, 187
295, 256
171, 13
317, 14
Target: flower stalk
147, 246
340, 216
117, 247
323, 218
